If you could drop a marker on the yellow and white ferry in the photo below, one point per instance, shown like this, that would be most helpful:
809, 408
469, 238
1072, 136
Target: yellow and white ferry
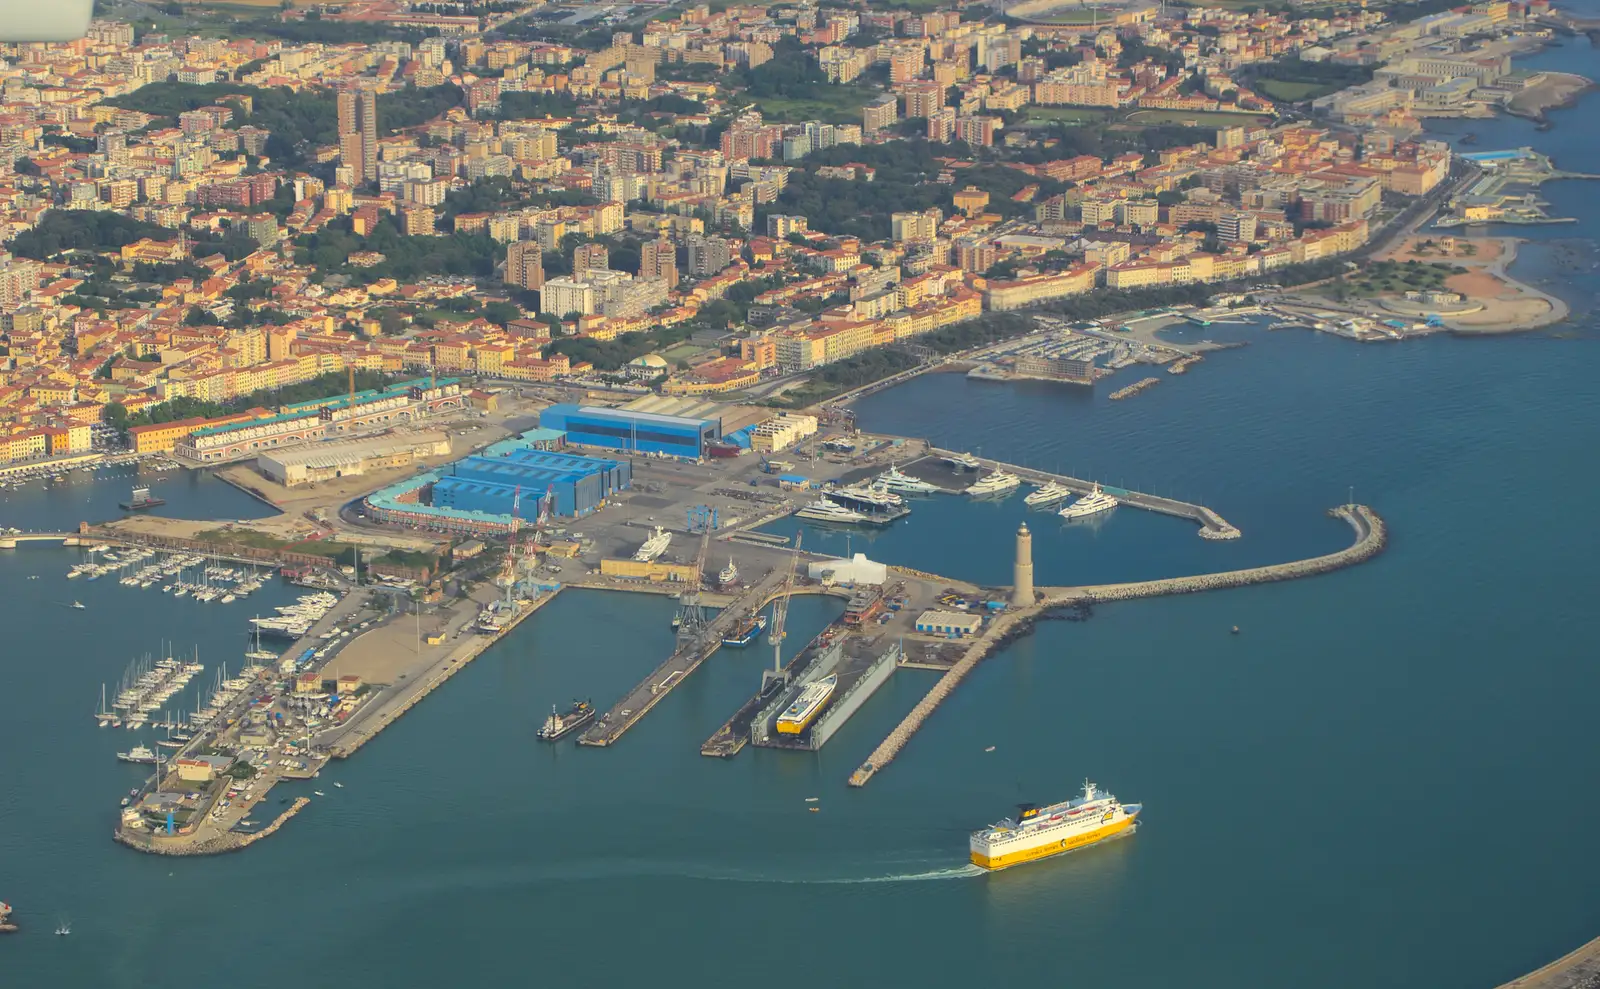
1039, 832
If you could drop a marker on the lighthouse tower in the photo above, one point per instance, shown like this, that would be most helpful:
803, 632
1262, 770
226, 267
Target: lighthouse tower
1022, 573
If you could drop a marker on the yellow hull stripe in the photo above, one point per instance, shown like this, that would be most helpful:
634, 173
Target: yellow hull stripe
1050, 848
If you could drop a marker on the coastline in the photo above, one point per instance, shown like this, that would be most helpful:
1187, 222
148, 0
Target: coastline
1496, 269
1557, 91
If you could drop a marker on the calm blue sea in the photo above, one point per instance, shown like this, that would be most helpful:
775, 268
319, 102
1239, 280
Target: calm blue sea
1384, 781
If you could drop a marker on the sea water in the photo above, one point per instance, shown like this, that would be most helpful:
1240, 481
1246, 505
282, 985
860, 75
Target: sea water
1383, 780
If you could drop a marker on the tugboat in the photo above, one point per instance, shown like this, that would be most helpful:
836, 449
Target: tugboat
558, 726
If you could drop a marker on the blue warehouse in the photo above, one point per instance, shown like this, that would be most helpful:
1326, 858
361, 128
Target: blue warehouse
490, 484
633, 432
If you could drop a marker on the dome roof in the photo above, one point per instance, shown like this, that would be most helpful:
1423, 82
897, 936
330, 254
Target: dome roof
649, 360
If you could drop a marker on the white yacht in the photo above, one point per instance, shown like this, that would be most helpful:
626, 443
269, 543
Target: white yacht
876, 498
1093, 503
1047, 494
653, 547
963, 461
893, 480
997, 483
823, 510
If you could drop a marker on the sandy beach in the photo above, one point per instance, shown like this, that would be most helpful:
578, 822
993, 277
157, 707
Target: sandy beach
1507, 305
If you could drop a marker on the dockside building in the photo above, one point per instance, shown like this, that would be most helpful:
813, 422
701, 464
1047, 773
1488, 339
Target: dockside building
629, 431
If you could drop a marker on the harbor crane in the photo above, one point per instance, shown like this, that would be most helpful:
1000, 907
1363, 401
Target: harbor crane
780, 615
691, 616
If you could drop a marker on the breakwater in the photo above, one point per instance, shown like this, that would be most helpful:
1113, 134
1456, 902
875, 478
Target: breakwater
1577, 968
1212, 525
1371, 538
228, 841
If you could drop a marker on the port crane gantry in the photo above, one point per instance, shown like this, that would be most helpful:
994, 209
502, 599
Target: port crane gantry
691, 615
780, 615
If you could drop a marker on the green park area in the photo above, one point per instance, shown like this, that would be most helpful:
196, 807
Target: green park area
1198, 118
1293, 92
1394, 277
1067, 114
835, 105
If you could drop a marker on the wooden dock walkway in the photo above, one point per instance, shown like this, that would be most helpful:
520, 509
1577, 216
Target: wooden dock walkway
1371, 537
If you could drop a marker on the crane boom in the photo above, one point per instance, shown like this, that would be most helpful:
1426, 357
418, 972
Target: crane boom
780, 607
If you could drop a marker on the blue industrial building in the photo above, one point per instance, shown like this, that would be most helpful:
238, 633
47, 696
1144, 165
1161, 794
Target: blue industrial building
489, 485
633, 432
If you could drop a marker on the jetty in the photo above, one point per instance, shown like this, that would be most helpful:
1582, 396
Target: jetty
374, 717
1212, 525
685, 659
227, 841
1371, 537
1133, 389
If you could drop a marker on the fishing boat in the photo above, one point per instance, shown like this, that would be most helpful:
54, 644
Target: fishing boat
560, 725
728, 575
747, 633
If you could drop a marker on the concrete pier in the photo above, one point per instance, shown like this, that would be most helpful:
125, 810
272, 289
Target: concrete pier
1212, 525
627, 712
1371, 537
375, 716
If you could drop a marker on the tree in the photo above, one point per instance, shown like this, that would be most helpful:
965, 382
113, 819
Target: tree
115, 415
501, 312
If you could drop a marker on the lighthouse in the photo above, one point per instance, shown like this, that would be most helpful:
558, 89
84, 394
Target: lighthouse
1022, 573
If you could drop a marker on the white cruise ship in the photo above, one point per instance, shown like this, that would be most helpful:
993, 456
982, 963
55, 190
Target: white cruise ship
823, 510
997, 483
1047, 494
653, 547
893, 480
1040, 832
1093, 503
797, 717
